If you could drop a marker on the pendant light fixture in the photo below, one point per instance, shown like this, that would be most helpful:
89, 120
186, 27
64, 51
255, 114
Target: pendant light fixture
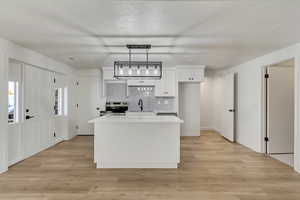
138, 69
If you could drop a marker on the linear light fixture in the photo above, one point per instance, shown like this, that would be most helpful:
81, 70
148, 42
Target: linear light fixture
138, 69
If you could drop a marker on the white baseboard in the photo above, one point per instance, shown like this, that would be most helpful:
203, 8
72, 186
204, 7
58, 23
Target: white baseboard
206, 128
87, 134
2, 170
210, 129
138, 165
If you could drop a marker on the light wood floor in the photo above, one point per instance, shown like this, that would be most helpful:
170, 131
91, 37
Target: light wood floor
211, 168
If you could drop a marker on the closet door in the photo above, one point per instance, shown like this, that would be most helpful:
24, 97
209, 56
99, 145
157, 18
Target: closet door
15, 83
228, 108
45, 111
31, 125
88, 101
58, 107
280, 108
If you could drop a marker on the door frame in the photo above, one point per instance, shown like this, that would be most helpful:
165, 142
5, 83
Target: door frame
264, 108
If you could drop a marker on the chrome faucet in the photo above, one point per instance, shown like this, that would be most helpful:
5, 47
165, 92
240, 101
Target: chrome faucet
141, 104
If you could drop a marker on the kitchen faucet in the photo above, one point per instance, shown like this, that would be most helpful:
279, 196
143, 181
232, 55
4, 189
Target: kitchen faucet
141, 104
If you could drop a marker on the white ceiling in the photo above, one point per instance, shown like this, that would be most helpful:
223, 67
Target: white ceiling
214, 33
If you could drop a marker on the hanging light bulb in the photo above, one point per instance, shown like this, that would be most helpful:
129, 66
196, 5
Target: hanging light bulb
147, 67
121, 71
129, 71
138, 70
155, 70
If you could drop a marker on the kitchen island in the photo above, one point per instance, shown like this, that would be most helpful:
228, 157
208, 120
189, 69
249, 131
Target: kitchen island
137, 141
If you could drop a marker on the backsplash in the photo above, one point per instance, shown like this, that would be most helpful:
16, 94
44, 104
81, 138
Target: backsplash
151, 103
164, 104
144, 93
116, 92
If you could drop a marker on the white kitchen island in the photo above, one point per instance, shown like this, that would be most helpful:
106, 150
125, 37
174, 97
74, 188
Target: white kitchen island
137, 141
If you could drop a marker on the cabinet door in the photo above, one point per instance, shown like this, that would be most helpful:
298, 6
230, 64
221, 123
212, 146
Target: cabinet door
166, 86
169, 84
196, 75
190, 75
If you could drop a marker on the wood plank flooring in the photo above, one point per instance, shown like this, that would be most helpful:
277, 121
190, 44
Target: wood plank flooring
211, 168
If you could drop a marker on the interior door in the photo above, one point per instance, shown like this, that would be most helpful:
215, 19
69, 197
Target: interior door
31, 125
228, 108
88, 101
14, 128
60, 118
45, 109
280, 106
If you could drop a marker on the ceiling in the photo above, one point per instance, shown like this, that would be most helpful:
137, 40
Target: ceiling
94, 33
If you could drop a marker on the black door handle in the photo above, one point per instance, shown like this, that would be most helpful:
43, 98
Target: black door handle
28, 117
231, 110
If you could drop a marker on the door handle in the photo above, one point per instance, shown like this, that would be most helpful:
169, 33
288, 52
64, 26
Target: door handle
27, 117
231, 110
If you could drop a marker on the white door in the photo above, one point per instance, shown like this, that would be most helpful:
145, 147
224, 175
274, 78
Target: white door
14, 106
280, 106
31, 125
59, 104
88, 101
45, 111
228, 108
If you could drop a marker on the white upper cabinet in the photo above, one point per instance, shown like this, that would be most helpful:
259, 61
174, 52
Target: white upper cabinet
108, 74
190, 73
166, 86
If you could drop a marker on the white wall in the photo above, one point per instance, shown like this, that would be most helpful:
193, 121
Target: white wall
250, 128
11, 50
3, 114
189, 108
206, 105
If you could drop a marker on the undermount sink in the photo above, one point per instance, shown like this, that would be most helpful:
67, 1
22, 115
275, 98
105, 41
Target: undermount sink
140, 114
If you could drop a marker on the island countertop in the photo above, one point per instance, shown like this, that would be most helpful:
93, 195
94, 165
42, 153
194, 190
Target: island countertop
136, 119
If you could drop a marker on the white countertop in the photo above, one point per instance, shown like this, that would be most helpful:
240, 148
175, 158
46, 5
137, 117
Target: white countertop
136, 119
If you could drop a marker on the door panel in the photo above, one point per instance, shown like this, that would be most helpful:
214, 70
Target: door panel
228, 108
280, 108
88, 101
15, 129
60, 120
31, 126
45, 109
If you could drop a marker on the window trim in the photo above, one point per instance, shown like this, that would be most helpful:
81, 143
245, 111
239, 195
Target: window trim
16, 90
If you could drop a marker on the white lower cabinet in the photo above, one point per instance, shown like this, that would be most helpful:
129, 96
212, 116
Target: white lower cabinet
166, 86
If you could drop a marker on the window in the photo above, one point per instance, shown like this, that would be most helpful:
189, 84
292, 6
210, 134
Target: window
58, 102
13, 102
